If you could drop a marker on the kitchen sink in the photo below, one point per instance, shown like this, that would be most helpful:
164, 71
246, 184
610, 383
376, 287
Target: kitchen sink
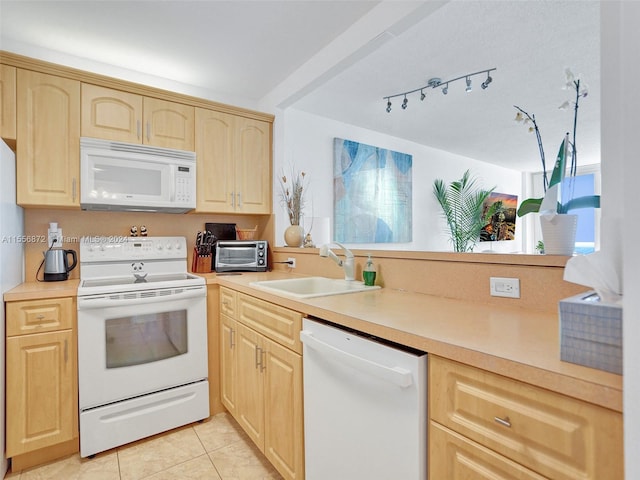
309, 287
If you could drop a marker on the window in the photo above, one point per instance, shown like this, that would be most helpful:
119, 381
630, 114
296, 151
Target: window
587, 182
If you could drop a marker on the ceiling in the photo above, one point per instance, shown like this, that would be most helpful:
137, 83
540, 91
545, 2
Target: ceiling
338, 59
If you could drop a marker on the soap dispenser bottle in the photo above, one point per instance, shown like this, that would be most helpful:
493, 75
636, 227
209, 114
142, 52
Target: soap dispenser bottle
369, 272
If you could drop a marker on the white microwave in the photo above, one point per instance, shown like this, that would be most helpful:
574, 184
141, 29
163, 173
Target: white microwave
116, 176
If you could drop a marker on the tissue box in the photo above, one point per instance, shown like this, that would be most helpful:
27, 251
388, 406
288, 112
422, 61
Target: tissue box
591, 332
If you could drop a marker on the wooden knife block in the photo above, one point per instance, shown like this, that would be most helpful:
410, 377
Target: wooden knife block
201, 263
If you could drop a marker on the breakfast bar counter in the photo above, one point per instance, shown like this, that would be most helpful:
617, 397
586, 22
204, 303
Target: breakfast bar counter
514, 342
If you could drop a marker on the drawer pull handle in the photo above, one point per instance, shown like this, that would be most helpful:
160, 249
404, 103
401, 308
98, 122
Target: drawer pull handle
505, 422
258, 353
40, 317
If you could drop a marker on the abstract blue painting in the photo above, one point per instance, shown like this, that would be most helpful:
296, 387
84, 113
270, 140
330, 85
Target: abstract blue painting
372, 194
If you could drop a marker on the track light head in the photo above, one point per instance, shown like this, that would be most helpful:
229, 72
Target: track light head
468, 89
486, 83
388, 106
422, 95
445, 90
404, 103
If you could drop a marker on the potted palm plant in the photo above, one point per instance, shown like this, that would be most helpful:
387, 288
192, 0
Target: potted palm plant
558, 226
462, 205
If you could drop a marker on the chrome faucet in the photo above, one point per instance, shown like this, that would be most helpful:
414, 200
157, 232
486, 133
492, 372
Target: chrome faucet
348, 263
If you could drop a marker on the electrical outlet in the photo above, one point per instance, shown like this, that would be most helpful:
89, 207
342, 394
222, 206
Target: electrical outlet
57, 235
505, 287
292, 262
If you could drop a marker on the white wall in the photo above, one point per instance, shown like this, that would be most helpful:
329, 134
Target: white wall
305, 141
620, 173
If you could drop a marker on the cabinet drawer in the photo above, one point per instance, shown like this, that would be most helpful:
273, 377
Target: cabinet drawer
277, 323
37, 316
228, 302
454, 457
554, 435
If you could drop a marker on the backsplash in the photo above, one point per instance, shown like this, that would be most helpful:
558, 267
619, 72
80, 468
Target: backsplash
77, 223
463, 276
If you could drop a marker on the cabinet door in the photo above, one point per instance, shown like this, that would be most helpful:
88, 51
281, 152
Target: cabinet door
168, 124
250, 387
284, 434
42, 405
454, 457
253, 166
7, 102
111, 114
228, 375
48, 140
214, 161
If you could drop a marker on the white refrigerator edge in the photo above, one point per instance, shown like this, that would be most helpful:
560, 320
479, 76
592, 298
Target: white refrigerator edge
11, 261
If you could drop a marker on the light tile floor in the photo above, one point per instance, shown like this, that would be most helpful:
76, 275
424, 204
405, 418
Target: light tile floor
216, 449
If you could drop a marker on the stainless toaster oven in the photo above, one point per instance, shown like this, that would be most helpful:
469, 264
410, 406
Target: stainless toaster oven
241, 256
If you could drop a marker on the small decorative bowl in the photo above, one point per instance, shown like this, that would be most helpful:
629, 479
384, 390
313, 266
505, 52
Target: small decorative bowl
246, 233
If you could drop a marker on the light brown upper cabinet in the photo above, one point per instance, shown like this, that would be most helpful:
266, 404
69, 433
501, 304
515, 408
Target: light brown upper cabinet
233, 163
48, 140
127, 117
7, 102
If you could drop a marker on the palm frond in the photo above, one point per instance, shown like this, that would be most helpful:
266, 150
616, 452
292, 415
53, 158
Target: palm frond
461, 205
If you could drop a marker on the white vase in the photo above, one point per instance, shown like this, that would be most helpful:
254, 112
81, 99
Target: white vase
293, 236
559, 233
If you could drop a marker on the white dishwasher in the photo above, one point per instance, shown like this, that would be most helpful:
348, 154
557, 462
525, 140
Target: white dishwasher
365, 406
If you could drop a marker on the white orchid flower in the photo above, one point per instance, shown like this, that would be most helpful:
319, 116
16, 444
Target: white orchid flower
569, 74
565, 105
584, 89
519, 117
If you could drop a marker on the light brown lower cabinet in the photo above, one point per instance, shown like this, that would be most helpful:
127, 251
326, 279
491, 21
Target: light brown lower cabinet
41, 376
261, 380
485, 425
454, 457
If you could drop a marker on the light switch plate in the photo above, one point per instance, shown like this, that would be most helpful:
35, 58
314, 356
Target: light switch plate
505, 287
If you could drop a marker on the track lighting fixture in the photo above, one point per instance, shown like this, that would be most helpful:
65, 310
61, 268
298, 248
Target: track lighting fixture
436, 83
486, 83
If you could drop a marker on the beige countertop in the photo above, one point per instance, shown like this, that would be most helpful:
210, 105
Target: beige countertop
36, 290
517, 343
520, 344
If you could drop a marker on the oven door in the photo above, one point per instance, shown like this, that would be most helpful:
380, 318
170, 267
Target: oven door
134, 343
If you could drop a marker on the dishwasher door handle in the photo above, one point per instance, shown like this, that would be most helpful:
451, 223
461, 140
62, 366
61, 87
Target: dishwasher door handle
396, 375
